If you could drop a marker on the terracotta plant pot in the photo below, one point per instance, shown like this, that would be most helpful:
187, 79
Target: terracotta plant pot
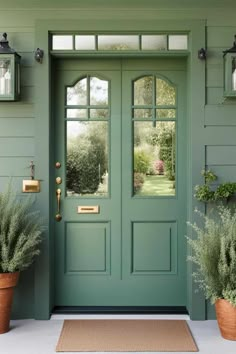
226, 317
7, 283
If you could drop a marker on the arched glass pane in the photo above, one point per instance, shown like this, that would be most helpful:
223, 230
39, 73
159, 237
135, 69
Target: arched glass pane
98, 91
143, 91
77, 95
165, 93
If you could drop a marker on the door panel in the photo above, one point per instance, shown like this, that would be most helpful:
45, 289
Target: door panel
153, 225
133, 252
87, 256
86, 248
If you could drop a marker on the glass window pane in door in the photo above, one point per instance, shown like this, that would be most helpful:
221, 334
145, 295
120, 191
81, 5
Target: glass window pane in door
87, 163
165, 113
77, 113
165, 93
143, 91
98, 91
143, 113
99, 113
77, 94
154, 159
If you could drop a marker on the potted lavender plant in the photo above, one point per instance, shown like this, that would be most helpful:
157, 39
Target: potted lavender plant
20, 236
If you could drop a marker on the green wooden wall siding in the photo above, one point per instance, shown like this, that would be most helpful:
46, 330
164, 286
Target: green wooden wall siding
216, 142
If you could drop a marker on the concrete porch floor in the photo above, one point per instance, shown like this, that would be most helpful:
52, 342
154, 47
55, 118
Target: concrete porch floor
40, 337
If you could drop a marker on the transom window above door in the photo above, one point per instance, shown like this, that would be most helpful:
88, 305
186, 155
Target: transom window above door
120, 42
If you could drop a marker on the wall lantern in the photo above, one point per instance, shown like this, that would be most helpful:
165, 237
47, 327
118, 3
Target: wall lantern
230, 71
38, 55
9, 72
202, 54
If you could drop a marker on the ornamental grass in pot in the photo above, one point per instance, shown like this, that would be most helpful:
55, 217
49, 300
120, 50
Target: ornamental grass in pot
20, 237
214, 254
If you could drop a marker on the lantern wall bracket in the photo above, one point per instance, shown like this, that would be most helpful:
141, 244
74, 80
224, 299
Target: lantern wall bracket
38, 55
202, 54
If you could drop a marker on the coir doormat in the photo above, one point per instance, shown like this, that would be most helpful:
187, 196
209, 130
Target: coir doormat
126, 336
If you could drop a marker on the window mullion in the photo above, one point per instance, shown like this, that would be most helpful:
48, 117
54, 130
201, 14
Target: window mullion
154, 99
88, 96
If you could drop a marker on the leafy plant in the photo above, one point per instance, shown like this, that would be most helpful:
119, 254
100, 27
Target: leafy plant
166, 141
20, 232
209, 176
207, 193
138, 181
160, 167
87, 160
214, 254
83, 167
141, 162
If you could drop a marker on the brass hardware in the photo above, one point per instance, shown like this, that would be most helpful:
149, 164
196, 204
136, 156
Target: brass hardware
32, 169
58, 180
88, 209
58, 216
57, 164
31, 186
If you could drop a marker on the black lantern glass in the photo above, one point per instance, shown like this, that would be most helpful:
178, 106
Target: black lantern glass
9, 72
230, 71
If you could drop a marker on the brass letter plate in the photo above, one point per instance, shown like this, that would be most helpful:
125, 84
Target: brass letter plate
31, 186
88, 209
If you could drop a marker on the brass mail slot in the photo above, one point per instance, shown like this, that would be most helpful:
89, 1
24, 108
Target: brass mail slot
31, 186
88, 209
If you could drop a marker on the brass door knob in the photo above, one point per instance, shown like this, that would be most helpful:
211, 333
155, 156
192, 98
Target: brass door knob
58, 217
57, 164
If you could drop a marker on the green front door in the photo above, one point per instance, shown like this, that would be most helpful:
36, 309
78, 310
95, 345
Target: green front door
120, 137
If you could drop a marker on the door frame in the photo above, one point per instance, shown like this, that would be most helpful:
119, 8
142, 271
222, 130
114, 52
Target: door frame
196, 79
123, 259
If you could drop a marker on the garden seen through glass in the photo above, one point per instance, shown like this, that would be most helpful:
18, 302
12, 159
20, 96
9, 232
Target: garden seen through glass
154, 130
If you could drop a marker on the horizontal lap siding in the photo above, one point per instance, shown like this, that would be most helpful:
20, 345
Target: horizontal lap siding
220, 113
17, 121
221, 155
17, 141
15, 127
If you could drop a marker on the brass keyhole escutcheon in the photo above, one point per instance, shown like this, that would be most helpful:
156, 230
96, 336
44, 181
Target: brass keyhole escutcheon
58, 217
57, 164
58, 180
